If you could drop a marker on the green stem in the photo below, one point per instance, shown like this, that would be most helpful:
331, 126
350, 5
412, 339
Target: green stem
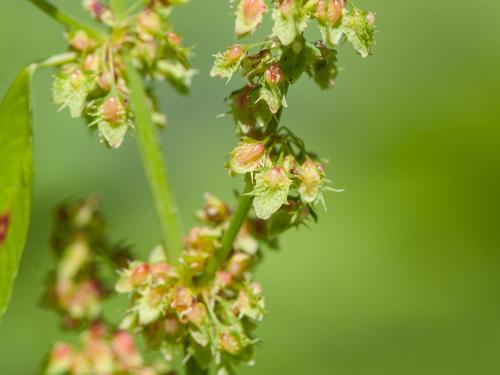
57, 60
66, 20
239, 216
154, 165
192, 368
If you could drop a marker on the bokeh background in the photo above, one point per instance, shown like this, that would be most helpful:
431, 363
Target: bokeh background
402, 274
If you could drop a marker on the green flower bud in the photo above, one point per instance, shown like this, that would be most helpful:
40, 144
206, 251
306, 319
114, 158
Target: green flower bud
310, 176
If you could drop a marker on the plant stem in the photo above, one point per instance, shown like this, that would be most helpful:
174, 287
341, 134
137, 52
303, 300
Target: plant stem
239, 216
57, 60
66, 20
154, 166
192, 368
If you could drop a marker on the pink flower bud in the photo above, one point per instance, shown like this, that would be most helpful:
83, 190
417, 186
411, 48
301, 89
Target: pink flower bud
238, 264
329, 12
95, 8
76, 79
247, 157
171, 326
252, 10
80, 41
224, 278
229, 342
91, 63
174, 38
140, 274
274, 75
275, 177
124, 347
285, 7
148, 24
198, 314
162, 270
234, 53
370, 18
183, 300
112, 110
104, 82
60, 358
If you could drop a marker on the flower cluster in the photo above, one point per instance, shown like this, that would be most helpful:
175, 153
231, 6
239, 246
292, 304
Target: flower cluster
75, 288
93, 83
210, 323
102, 352
288, 180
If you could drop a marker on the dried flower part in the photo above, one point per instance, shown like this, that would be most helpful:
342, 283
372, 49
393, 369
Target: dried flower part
248, 156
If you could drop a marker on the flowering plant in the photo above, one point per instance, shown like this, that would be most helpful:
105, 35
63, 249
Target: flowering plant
195, 298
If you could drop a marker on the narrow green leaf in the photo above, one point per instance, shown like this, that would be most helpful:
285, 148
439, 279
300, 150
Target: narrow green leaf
15, 179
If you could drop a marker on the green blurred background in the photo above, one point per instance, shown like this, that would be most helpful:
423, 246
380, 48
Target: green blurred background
401, 275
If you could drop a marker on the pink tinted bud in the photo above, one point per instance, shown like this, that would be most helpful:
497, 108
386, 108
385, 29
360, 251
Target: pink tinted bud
95, 8
274, 75
174, 38
256, 288
238, 264
275, 177
370, 18
253, 9
80, 41
285, 7
183, 299
171, 326
91, 63
140, 274
161, 270
124, 347
234, 53
112, 110
224, 278
198, 313
252, 153
61, 352
104, 82
75, 78
229, 342
329, 11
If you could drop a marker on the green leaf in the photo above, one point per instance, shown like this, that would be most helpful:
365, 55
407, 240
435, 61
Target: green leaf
288, 26
324, 69
273, 97
359, 31
16, 179
270, 191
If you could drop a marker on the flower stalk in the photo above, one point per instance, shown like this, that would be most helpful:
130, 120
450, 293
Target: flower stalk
66, 20
154, 166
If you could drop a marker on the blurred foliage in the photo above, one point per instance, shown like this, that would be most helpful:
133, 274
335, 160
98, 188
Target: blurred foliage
401, 276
